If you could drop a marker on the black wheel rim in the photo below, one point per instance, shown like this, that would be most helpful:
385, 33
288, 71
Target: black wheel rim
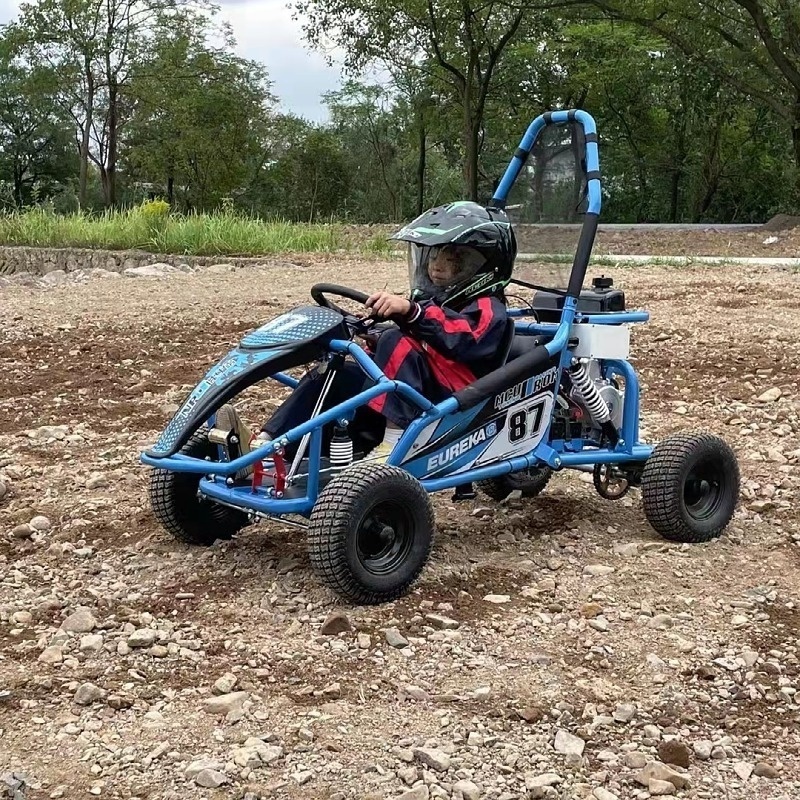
384, 538
704, 489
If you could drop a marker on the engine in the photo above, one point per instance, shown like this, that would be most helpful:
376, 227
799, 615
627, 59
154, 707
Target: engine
588, 404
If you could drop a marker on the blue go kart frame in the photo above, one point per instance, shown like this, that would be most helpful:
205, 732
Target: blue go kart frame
498, 431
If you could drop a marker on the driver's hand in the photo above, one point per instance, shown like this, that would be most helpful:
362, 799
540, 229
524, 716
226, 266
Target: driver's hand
384, 304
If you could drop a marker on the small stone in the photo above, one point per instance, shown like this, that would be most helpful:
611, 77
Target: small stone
364, 641
532, 713
661, 772
409, 775
497, 599
702, 749
97, 481
743, 769
770, 396
624, 712
88, 693
81, 621
597, 570
395, 639
482, 692
210, 778
142, 637
599, 624
442, 622
568, 744
22, 617
225, 684
672, 751
634, 760
627, 550
764, 770
23, 531
51, 655
417, 793
336, 622
466, 790
158, 651
303, 777
225, 703
651, 732
40, 523
591, 610
91, 643
660, 622
534, 781
601, 793
657, 787
433, 758
196, 767
118, 702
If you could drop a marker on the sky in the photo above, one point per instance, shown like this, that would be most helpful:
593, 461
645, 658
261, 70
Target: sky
265, 31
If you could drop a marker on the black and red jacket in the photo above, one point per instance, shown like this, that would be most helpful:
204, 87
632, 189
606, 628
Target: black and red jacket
460, 345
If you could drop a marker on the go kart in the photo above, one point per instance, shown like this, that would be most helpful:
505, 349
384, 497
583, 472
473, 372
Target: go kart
564, 397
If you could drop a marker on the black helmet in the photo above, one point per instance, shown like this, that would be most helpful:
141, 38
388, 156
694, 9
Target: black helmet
474, 248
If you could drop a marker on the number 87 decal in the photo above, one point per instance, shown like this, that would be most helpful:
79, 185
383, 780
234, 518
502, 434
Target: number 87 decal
527, 422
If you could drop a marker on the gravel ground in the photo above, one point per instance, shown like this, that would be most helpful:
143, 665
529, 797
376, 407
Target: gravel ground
553, 648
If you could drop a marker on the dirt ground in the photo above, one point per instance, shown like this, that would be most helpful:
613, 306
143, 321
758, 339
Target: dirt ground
610, 653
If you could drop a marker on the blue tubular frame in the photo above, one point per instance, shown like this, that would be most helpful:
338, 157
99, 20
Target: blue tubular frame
557, 454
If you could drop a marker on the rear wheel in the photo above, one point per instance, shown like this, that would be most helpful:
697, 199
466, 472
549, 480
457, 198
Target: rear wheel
173, 497
371, 533
529, 481
690, 487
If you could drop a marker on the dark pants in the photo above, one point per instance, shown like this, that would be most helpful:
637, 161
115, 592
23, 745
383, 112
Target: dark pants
400, 357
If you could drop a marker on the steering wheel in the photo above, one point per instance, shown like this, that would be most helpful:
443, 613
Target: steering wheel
366, 326
319, 290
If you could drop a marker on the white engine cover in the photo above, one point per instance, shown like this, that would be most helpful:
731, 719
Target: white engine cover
601, 341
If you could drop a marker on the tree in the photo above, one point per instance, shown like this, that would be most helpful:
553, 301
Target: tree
35, 142
751, 45
198, 116
94, 46
458, 43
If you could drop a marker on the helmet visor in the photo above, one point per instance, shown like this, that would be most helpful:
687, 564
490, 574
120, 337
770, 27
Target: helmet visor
435, 271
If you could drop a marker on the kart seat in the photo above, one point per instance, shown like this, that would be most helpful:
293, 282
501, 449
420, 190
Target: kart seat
519, 345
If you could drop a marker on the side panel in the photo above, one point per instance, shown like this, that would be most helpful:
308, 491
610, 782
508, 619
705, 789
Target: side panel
511, 423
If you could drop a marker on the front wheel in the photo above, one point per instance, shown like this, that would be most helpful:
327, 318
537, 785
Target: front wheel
371, 533
175, 504
690, 487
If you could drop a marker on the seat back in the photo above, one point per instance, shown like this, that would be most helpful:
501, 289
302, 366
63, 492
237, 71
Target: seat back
504, 348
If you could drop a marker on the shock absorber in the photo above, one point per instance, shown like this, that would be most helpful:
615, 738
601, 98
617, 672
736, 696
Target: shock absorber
587, 392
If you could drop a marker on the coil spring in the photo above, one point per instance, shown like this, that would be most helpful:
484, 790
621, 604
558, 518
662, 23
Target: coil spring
341, 453
588, 393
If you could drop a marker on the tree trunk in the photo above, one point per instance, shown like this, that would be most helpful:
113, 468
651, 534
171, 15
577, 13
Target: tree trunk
796, 146
19, 198
171, 189
87, 126
111, 169
422, 143
472, 131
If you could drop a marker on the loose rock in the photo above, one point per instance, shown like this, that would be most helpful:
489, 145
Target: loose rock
336, 622
568, 744
433, 758
671, 751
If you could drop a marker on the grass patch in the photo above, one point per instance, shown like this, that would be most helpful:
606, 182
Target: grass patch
149, 228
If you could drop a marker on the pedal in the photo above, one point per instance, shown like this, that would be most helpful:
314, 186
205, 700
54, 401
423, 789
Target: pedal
226, 439
464, 492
